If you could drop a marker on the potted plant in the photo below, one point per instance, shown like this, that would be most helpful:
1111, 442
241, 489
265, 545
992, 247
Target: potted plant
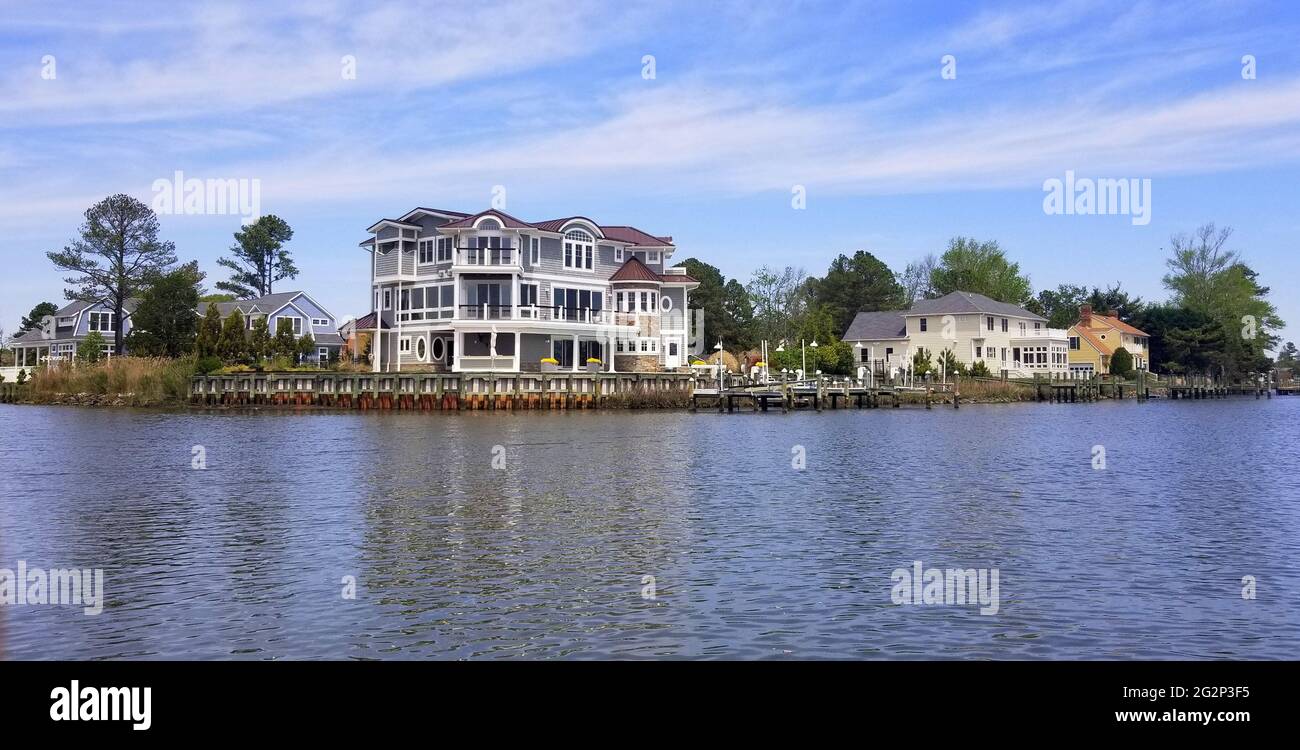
593, 364
550, 364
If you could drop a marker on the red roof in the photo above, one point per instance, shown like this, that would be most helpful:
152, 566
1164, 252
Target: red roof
617, 232
506, 220
634, 270
634, 236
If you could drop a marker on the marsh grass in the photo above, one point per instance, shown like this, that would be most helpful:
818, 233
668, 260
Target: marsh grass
136, 381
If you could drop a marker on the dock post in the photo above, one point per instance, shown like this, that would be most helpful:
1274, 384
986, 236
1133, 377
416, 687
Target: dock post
927, 397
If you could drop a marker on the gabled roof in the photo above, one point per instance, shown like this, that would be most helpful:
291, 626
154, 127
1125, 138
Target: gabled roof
1118, 324
367, 323
265, 305
958, 303
1092, 338
507, 221
874, 326
634, 270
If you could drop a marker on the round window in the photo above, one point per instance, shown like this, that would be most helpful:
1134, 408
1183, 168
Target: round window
419, 349
666, 303
437, 350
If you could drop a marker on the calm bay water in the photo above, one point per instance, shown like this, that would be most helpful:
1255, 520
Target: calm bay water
750, 557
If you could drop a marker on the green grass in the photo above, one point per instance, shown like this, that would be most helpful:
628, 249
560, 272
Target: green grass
137, 381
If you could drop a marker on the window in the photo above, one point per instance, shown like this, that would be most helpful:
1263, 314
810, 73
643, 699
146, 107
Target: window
1038, 326
665, 303
439, 349
1004, 353
618, 255
922, 324
388, 299
420, 350
654, 256
295, 324
990, 322
536, 245
579, 251
1074, 343
1004, 325
323, 354
978, 349
528, 294
490, 225
889, 352
101, 321
445, 245
426, 251
404, 346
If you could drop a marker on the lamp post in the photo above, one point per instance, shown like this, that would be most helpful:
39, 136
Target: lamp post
805, 362
718, 348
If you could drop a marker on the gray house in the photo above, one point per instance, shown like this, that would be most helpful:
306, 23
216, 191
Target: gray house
293, 310
490, 292
58, 335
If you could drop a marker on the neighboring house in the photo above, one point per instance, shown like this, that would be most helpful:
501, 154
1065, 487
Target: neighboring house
491, 292
973, 327
58, 335
293, 310
1096, 337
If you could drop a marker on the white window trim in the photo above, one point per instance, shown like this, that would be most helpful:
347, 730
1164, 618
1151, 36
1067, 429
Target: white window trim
618, 255
388, 299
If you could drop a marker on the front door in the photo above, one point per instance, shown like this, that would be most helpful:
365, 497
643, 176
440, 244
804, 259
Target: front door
673, 359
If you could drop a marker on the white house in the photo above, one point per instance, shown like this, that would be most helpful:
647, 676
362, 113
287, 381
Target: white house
973, 327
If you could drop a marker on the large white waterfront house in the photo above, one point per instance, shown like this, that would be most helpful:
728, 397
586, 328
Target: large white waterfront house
973, 327
489, 292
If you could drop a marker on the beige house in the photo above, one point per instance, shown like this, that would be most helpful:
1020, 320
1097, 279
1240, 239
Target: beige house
973, 327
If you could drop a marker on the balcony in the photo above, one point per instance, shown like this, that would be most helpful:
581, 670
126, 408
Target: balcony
472, 258
1040, 334
534, 312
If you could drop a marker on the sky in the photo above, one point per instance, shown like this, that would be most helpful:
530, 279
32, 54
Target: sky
900, 124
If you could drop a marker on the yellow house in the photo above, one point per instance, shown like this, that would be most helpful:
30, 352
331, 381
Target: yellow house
1096, 337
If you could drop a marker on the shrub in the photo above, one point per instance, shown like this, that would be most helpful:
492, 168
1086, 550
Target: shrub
1121, 362
91, 348
142, 381
205, 365
978, 370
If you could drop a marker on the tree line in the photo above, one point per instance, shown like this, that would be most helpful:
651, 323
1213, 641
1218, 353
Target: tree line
118, 255
1217, 319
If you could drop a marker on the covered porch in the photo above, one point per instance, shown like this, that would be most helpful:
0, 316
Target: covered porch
523, 351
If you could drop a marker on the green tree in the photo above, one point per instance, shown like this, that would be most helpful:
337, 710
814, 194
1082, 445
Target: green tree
1060, 305
164, 324
208, 339
922, 361
233, 345
259, 258
948, 362
1287, 355
780, 300
205, 299
306, 347
856, 284
91, 349
915, 280
1181, 340
981, 267
1114, 299
285, 344
116, 255
1208, 279
1121, 362
260, 345
724, 305
34, 318
979, 369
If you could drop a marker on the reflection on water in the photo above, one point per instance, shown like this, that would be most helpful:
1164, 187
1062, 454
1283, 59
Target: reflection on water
750, 558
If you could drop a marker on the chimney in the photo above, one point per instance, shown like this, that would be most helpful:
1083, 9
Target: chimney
1113, 314
1085, 316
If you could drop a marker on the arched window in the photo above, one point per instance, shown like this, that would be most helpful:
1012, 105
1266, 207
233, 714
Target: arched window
579, 252
490, 225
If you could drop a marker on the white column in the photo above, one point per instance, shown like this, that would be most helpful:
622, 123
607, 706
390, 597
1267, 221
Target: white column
575, 353
609, 352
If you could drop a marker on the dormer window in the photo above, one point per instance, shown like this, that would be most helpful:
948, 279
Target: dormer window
101, 321
579, 252
489, 225
654, 256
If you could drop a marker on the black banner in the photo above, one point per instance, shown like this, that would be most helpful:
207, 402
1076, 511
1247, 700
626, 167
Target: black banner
139, 700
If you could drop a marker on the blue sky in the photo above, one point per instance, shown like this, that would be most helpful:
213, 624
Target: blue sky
748, 100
